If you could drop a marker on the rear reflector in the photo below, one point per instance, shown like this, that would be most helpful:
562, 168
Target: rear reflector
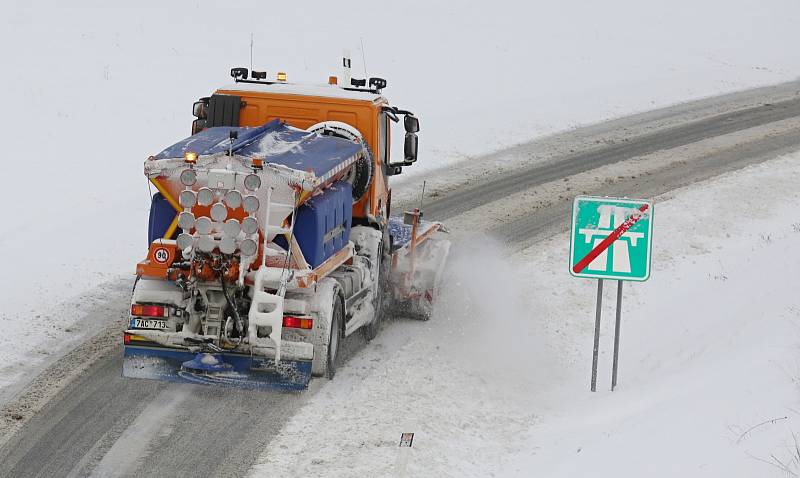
148, 310
297, 322
129, 338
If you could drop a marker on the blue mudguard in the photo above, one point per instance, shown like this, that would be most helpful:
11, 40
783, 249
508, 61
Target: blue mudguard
225, 369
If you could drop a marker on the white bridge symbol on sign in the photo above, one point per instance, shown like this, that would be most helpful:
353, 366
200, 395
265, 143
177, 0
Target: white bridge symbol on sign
620, 257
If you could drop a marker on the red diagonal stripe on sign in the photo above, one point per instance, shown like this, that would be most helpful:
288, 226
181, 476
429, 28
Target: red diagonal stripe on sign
616, 234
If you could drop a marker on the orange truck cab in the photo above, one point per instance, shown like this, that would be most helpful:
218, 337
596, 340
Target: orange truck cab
253, 101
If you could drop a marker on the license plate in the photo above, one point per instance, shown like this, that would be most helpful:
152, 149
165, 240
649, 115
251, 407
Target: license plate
148, 324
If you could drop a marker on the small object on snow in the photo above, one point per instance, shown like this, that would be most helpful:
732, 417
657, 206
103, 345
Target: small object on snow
406, 439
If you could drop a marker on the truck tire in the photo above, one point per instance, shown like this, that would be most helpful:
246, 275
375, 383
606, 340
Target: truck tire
370, 331
335, 342
361, 177
328, 303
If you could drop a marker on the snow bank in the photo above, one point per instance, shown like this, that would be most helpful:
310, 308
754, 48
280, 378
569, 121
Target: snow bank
709, 344
496, 384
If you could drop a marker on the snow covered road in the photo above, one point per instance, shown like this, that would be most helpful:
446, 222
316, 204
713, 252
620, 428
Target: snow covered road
75, 432
537, 173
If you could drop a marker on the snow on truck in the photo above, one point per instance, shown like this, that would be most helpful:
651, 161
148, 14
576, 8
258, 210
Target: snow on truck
271, 236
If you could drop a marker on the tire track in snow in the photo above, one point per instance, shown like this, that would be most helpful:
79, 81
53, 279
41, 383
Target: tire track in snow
134, 442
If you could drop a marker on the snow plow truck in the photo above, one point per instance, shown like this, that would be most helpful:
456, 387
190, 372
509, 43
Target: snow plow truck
271, 235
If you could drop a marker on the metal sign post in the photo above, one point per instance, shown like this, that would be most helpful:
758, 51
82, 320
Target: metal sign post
611, 239
597, 333
616, 336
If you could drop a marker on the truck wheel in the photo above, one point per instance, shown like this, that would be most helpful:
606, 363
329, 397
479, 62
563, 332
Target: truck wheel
361, 174
327, 299
360, 177
371, 330
334, 344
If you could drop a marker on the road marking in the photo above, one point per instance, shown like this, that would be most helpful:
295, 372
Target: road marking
135, 441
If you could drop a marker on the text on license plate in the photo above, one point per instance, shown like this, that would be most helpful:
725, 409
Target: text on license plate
148, 324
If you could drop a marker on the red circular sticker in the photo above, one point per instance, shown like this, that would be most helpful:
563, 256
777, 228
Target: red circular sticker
161, 255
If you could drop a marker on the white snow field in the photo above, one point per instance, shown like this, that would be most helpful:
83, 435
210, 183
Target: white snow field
497, 382
91, 89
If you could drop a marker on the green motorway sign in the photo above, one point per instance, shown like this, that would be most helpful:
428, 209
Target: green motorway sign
611, 238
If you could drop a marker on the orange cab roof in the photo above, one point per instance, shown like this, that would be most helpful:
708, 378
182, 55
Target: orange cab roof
326, 91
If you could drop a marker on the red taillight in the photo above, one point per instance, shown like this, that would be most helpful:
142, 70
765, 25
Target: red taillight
297, 322
127, 339
148, 310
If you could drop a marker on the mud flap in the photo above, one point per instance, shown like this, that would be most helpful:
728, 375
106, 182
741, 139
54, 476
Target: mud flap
225, 369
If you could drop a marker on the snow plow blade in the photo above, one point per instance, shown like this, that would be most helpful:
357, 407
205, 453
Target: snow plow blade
221, 369
418, 262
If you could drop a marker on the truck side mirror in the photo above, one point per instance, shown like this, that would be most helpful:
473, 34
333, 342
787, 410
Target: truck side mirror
411, 124
199, 109
410, 147
198, 125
